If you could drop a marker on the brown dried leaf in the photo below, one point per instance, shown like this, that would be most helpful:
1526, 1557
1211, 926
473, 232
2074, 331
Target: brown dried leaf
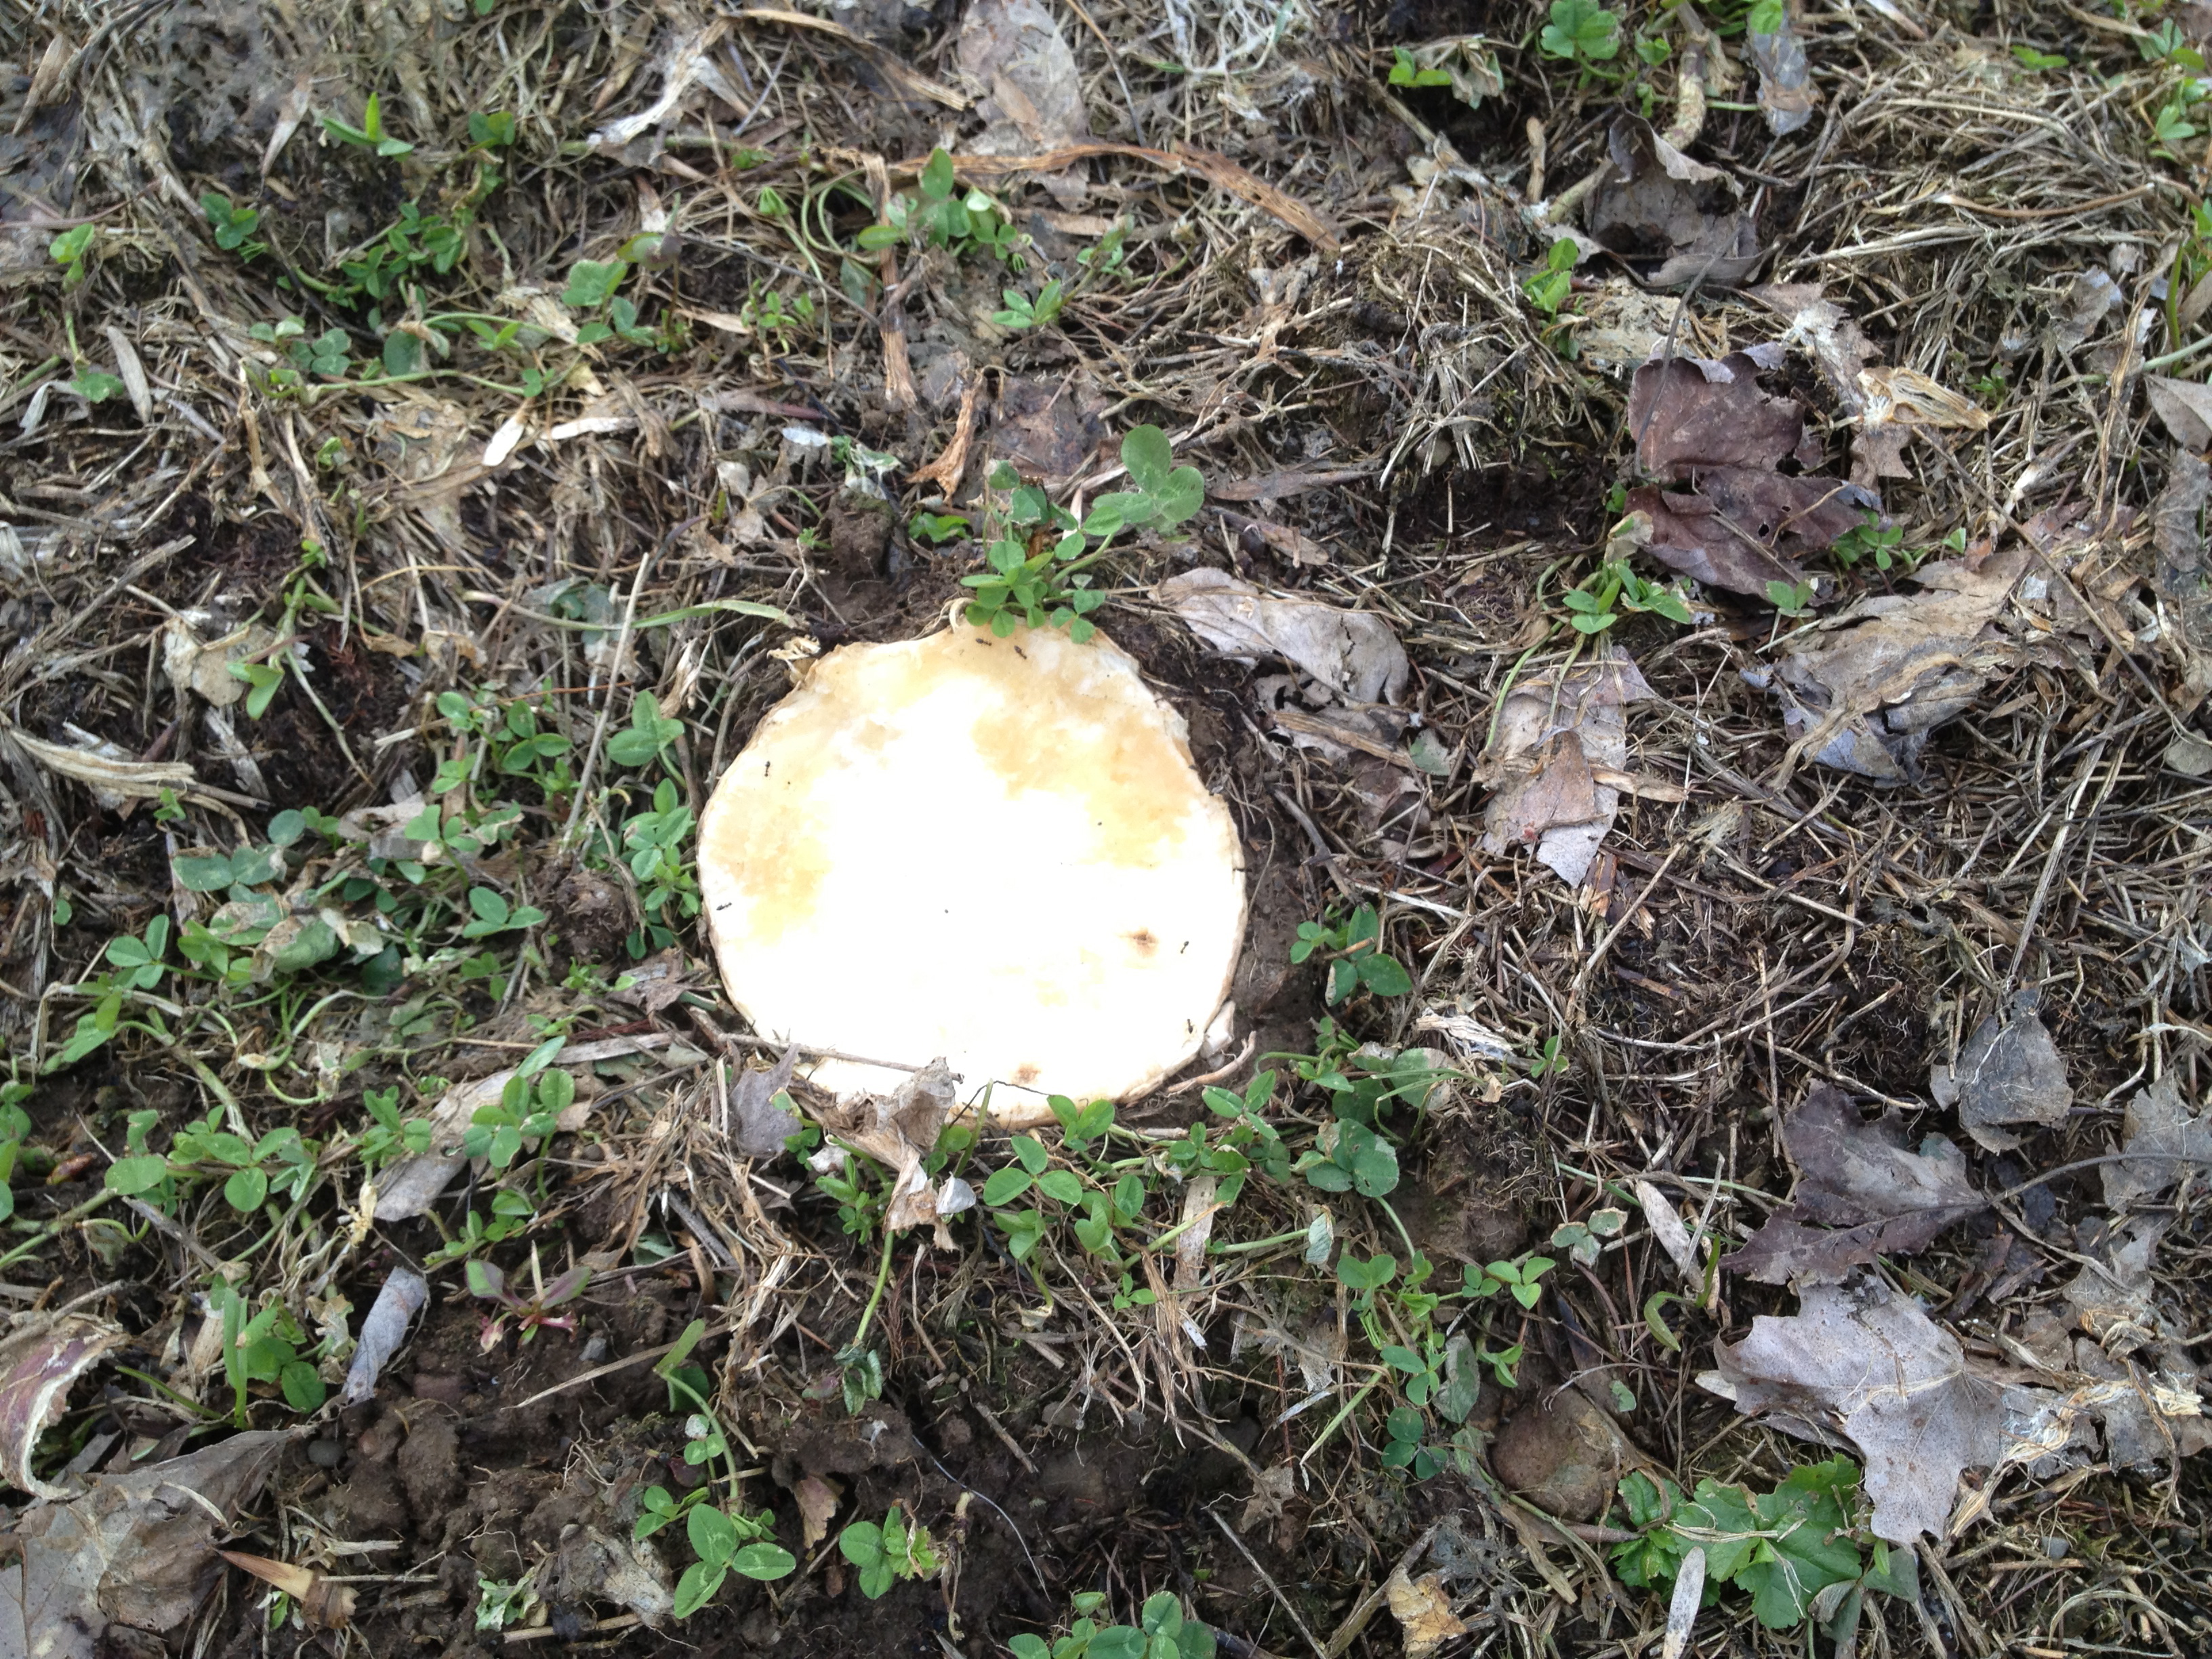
38, 1363
322, 1602
1423, 1611
2186, 406
758, 1126
1690, 413
136, 1550
1047, 430
1861, 1180
1556, 731
817, 1506
1657, 206
2165, 1145
1685, 531
2007, 1072
1862, 690
1354, 653
899, 1131
1033, 93
1859, 1361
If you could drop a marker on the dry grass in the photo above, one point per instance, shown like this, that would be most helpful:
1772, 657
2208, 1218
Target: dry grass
1758, 924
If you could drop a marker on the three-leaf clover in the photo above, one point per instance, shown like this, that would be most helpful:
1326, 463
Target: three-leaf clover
1581, 31
648, 733
721, 1550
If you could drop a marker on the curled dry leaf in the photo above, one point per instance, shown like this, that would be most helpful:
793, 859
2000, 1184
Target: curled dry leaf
1785, 79
1745, 524
1863, 689
2165, 1145
1556, 731
1423, 1611
758, 1126
322, 1603
592, 1565
1674, 218
2009, 1071
898, 1130
1826, 330
817, 1506
39, 1362
1871, 1194
1354, 653
136, 1550
398, 1299
192, 665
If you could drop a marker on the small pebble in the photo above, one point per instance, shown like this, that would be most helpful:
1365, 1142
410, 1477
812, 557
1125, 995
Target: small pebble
325, 1454
595, 1351
2055, 1548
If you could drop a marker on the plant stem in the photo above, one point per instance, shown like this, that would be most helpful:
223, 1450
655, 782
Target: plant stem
68, 1218
883, 1277
1334, 1422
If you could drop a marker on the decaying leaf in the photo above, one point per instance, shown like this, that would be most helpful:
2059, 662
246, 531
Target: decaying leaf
402, 1295
39, 1362
1423, 1611
136, 1550
1014, 51
898, 1130
2112, 1295
322, 1603
817, 1498
1785, 79
758, 1126
1862, 690
1745, 524
2166, 1145
203, 666
1689, 413
1871, 1193
1270, 1491
2186, 407
1047, 428
591, 1565
1826, 330
2009, 1071
1674, 218
1354, 653
1556, 730
1858, 1361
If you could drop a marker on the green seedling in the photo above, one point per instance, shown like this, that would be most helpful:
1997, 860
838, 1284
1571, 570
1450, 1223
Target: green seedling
1796, 1549
2165, 43
1580, 32
500, 1604
1765, 17
529, 1102
265, 678
1404, 72
328, 356
1349, 1156
1022, 312
1790, 599
492, 129
70, 250
887, 1553
1518, 1279
370, 134
390, 1135
593, 284
1547, 1061
1590, 607
234, 226
1584, 1240
1365, 1083
939, 214
1040, 555
263, 1347
728, 1542
667, 881
938, 528
1357, 961
531, 1313
489, 913
2034, 60
1548, 290
1163, 1630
